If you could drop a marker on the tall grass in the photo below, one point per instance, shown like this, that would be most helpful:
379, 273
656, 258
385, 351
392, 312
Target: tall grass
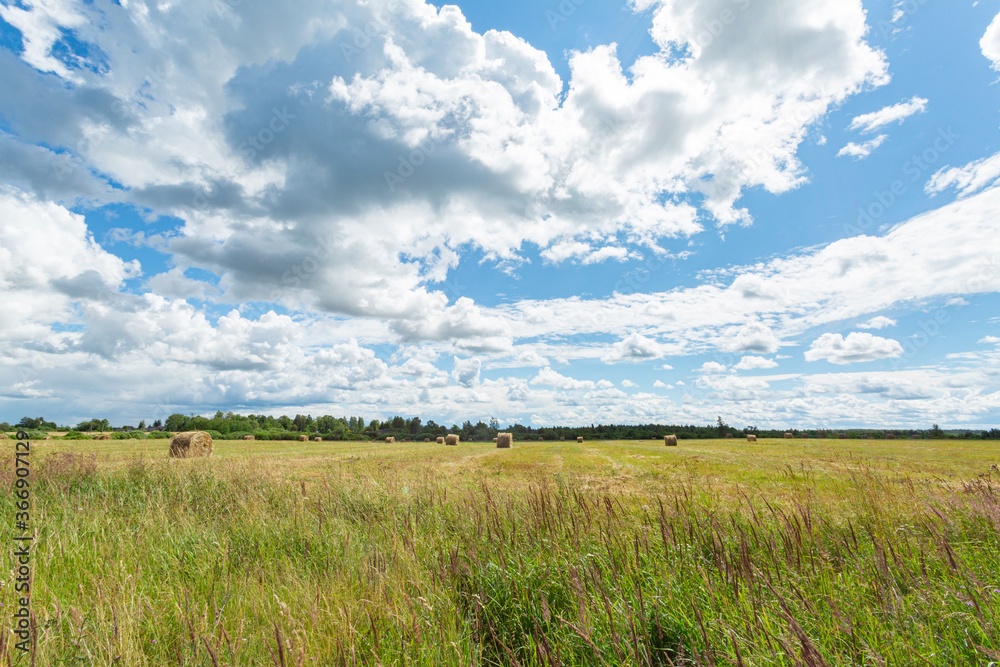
364, 560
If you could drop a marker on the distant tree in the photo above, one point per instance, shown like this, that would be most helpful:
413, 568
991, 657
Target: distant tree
936, 431
303, 422
176, 422
29, 424
495, 424
158, 424
142, 425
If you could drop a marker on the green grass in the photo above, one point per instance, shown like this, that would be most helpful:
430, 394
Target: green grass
720, 553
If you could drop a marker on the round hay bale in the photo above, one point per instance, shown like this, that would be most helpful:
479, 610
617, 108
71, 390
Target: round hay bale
751, 438
789, 436
451, 440
561, 439
102, 436
440, 440
190, 444
48, 437
579, 438
390, 440
729, 435
317, 439
540, 439
670, 441
303, 438
4, 436
249, 437
890, 436
504, 440
494, 439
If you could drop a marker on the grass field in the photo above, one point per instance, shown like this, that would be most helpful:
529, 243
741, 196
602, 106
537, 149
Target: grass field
791, 552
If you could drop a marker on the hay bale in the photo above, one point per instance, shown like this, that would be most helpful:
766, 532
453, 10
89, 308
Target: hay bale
579, 438
390, 440
249, 437
317, 439
789, 436
303, 438
751, 438
102, 436
670, 441
440, 440
451, 440
494, 439
48, 437
4, 436
540, 438
729, 435
842, 436
890, 436
190, 444
504, 440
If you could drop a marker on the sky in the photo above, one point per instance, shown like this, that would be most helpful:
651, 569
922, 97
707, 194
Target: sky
783, 213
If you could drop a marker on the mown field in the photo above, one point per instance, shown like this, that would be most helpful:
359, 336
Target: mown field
797, 552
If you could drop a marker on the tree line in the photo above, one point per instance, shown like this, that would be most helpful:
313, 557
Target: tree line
232, 425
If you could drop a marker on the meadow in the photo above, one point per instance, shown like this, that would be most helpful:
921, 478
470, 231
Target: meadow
716, 553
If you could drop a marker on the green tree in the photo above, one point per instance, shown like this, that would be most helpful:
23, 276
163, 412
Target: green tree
303, 422
176, 422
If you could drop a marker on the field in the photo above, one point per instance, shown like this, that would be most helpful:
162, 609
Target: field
790, 552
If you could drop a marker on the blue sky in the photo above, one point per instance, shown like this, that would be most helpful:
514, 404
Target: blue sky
783, 213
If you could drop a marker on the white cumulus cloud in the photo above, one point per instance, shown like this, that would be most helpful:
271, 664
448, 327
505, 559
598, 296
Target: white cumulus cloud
880, 322
551, 378
863, 150
712, 367
990, 43
896, 113
755, 363
857, 347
